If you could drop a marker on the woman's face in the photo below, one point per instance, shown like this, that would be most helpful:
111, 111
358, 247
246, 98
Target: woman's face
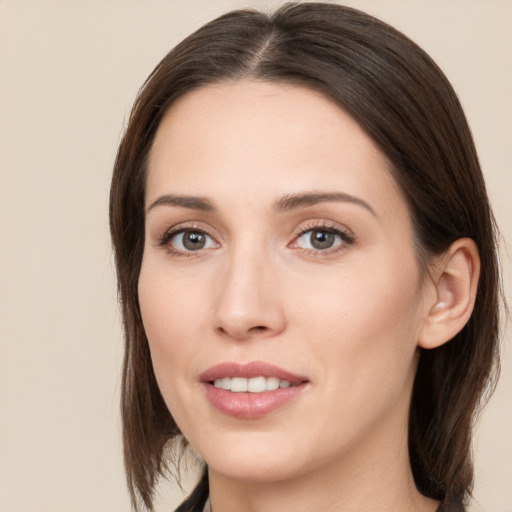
278, 252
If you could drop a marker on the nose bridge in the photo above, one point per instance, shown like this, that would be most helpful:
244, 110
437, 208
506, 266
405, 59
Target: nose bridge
248, 302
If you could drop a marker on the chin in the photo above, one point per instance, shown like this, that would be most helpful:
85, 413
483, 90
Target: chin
259, 457
264, 470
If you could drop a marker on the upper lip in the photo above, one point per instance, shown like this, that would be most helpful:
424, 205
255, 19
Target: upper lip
249, 370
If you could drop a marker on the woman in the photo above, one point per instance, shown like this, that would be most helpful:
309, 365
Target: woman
307, 268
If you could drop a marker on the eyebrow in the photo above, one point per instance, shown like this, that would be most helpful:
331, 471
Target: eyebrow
284, 204
295, 201
192, 202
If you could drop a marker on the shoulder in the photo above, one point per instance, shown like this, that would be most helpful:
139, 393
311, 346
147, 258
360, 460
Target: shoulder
198, 501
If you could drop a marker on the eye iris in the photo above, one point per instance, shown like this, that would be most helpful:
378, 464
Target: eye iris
194, 240
322, 239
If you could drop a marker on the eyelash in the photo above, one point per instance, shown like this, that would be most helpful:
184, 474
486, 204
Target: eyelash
346, 236
165, 239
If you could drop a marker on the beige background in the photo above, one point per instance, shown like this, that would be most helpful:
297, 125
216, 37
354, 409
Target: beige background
69, 71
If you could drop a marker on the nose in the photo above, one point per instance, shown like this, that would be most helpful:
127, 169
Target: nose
249, 303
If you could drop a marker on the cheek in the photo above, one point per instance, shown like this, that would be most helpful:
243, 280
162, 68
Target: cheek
170, 319
362, 340
170, 314
366, 324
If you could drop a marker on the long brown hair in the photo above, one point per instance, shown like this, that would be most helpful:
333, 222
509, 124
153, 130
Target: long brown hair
406, 105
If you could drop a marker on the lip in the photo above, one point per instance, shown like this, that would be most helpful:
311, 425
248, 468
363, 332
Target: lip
250, 405
249, 370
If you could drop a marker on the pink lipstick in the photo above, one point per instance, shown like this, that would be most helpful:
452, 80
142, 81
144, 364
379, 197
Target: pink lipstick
250, 390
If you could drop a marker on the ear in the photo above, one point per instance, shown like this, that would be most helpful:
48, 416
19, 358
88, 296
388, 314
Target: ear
455, 281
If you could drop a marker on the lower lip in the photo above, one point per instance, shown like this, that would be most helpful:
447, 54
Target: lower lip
250, 405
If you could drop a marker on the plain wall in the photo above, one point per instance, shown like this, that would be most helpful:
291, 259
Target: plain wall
69, 71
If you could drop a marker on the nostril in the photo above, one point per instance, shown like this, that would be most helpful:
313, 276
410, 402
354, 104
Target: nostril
240, 332
258, 328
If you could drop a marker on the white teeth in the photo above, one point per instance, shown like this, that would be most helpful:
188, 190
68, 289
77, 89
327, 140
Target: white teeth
256, 385
272, 383
238, 384
226, 383
253, 385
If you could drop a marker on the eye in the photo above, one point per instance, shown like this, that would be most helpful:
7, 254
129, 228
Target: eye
188, 240
322, 239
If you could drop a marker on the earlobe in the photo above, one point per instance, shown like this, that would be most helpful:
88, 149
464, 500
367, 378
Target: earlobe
455, 280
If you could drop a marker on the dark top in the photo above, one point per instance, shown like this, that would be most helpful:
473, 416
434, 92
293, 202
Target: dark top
197, 500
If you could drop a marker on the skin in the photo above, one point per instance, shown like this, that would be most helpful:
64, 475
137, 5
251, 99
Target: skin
349, 318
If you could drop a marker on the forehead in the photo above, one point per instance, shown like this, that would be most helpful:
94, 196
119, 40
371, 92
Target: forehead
258, 116
230, 138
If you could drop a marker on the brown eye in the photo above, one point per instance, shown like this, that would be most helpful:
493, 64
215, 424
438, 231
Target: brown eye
191, 240
322, 239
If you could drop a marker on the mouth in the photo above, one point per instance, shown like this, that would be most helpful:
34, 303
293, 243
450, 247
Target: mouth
258, 384
251, 390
